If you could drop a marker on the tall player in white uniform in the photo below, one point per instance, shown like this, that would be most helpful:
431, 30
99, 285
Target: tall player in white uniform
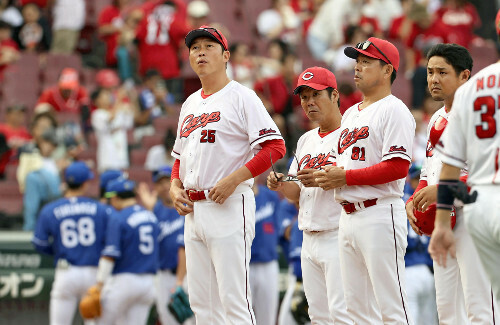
72, 229
374, 154
220, 128
318, 213
472, 136
449, 66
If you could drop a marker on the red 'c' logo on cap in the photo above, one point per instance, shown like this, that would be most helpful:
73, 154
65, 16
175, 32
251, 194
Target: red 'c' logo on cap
307, 76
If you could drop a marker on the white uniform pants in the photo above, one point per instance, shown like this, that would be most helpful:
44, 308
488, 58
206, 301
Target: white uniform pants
321, 274
218, 239
70, 284
265, 295
421, 294
372, 244
463, 289
482, 219
126, 299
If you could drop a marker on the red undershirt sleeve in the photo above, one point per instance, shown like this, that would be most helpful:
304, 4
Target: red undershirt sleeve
383, 172
261, 161
421, 184
175, 170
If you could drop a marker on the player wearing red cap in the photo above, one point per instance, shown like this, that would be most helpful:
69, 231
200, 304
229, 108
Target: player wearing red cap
462, 289
374, 154
220, 128
318, 213
472, 136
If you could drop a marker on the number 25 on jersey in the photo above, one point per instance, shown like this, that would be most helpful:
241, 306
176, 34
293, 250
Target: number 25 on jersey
207, 136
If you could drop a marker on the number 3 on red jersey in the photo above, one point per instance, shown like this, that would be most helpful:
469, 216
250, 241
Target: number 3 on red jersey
488, 126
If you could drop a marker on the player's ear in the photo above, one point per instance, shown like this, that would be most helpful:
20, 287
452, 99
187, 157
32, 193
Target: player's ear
465, 75
388, 68
226, 55
335, 96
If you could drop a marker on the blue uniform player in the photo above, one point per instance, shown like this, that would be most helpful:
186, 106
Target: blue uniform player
264, 268
131, 255
172, 255
73, 230
295, 274
104, 180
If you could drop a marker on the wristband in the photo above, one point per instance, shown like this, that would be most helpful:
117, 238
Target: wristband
104, 269
445, 196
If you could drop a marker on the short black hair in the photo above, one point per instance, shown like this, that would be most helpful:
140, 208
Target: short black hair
455, 55
394, 73
329, 90
126, 195
5, 25
72, 186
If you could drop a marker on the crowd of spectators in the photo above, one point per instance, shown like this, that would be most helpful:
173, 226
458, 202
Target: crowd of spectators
139, 73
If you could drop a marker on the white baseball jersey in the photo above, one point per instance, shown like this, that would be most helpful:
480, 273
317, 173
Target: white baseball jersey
472, 133
219, 134
381, 131
431, 167
317, 208
463, 276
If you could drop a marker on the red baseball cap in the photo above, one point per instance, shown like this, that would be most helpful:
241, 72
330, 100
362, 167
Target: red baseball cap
376, 48
316, 78
206, 31
107, 78
69, 79
497, 23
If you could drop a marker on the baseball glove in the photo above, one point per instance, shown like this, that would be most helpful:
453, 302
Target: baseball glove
90, 305
299, 306
461, 192
179, 305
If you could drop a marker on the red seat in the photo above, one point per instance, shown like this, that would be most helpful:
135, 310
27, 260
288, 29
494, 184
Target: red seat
9, 188
88, 154
139, 174
138, 157
11, 205
21, 83
164, 123
11, 172
151, 140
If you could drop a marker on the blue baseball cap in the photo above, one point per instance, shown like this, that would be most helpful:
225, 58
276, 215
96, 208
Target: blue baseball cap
108, 176
119, 185
78, 173
165, 171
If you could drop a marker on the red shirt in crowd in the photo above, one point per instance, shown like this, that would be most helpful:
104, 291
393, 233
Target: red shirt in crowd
52, 96
110, 15
459, 23
160, 33
18, 135
278, 92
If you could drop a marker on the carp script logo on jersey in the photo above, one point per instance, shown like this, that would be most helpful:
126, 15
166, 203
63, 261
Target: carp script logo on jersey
266, 131
310, 162
347, 138
192, 123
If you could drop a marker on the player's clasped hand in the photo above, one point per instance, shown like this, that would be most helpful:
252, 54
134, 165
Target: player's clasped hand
411, 218
181, 200
425, 197
442, 242
274, 183
330, 177
222, 190
307, 178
